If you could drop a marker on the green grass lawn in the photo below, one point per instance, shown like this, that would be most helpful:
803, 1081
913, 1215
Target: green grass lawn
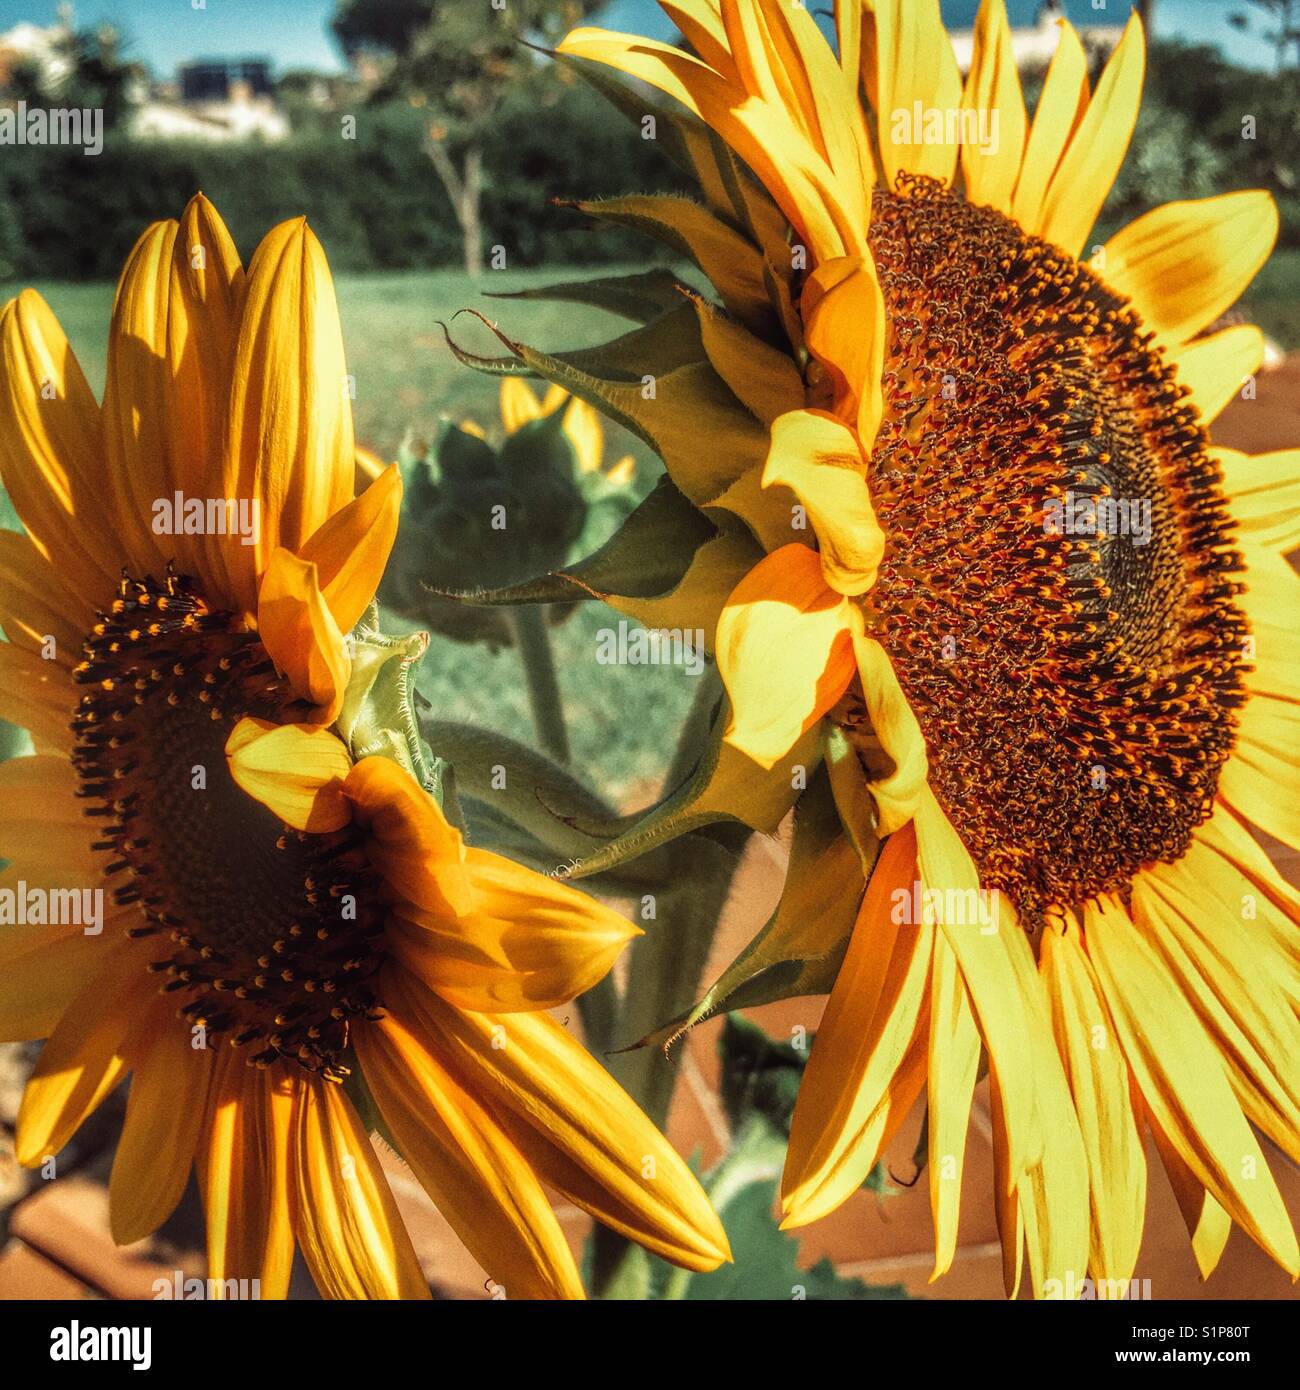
623, 721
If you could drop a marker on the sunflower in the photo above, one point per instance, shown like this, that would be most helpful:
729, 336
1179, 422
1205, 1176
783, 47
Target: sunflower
297, 935
969, 525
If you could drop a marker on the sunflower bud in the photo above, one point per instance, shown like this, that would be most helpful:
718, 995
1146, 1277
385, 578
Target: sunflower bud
482, 516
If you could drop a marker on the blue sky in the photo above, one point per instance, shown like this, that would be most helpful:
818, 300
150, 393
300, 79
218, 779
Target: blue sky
295, 33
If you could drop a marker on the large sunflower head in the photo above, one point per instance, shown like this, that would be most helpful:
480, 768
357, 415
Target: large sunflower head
973, 549
296, 933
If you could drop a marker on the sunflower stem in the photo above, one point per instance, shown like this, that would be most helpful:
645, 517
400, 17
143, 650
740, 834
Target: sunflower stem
534, 642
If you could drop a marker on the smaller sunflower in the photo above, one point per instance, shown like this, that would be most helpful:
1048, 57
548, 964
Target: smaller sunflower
304, 908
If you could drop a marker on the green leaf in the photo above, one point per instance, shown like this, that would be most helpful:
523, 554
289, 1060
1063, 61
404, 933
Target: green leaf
743, 1189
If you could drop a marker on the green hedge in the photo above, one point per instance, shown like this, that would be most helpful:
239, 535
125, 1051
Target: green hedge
374, 200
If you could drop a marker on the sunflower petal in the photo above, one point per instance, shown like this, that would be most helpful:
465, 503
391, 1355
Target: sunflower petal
300, 634
519, 406
289, 443
345, 1217
529, 942
84, 1059
1098, 1076
953, 1065
295, 770
476, 1176
419, 853
993, 92
1214, 369
866, 1067
1183, 1081
51, 450
818, 458
1061, 107
907, 58
351, 549
1184, 264
165, 1111
629, 1175
243, 1162
1088, 167
784, 651
897, 793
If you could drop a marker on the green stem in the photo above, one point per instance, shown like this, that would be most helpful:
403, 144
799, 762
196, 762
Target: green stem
534, 642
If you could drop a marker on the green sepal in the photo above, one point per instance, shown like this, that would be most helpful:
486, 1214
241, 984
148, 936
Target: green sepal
378, 717
853, 802
800, 949
641, 297
715, 792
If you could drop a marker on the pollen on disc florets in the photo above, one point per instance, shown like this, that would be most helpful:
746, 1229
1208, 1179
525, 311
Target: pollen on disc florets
268, 936
1056, 594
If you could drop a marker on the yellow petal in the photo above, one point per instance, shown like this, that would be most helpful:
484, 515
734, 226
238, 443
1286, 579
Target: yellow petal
519, 406
1184, 264
529, 942
953, 1065
1087, 170
907, 58
765, 380
476, 1176
345, 1217
866, 1068
1214, 369
819, 459
845, 325
1099, 1083
1264, 493
1260, 776
36, 603
206, 295
351, 549
627, 1174
897, 793
1183, 1081
1207, 1223
165, 1111
784, 652
1233, 978
1061, 107
51, 449
300, 634
85, 1057
990, 167
38, 696
583, 428
295, 770
419, 853
243, 1162
829, 216
289, 440
138, 400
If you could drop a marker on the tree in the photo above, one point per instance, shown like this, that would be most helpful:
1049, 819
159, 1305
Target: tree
1284, 17
458, 58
